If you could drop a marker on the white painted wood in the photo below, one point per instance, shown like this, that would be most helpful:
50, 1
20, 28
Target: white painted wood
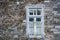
33, 31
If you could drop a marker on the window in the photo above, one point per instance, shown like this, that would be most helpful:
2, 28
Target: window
31, 31
38, 31
31, 25
34, 12
38, 19
38, 12
31, 12
38, 24
31, 19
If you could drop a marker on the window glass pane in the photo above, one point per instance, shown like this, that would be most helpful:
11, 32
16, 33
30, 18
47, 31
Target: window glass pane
38, 32
31, 31
31, 24
34, 12
31, 12
38, 24
38, 12
31, 19
38, 19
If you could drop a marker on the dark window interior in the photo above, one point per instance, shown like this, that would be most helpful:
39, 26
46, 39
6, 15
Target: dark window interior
31, 12
31, 19
38, 19
34, 12
38, 12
